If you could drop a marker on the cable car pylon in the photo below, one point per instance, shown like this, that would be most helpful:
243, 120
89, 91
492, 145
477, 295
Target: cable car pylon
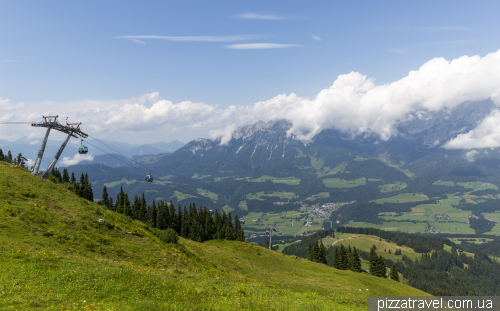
50, 122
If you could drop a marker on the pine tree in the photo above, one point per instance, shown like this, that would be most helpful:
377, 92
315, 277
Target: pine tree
127, 210
73, 179
394, 273
381, 269
355, 261
185, 224
310, 254
239, 234
65, 177
136, 208
143, 208
9, 157
322, 253
373, 261
230, 232
153, 212
344, 263
2, 156
105, 197
172, 217
315, 251
83, 189
337, 263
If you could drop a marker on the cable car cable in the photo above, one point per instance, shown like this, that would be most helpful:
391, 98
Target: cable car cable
179, 187
114, 156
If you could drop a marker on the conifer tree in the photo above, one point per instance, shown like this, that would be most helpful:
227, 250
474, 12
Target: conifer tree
2, 156
355, 261
153, 212
315, 251
65, 176
105, 197
322, 253
136, 208
144, 208
344, 264
9, 157
239, 234
310, 253
172, 216
394, 273
373, 261
185, 224
381, 269
73, 179
127, 210
337, 263
82, 186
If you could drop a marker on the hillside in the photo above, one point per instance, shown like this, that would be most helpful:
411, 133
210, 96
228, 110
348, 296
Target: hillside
407, 183
55, 255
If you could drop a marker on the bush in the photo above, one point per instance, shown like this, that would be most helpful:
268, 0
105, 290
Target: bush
169, 236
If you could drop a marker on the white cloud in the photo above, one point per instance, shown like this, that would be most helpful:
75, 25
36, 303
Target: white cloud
77, 158
399, 51
471, 155
260, 46
485, 135
197, 38
316, 38
353, 104
260, 16
138, 41
30, 163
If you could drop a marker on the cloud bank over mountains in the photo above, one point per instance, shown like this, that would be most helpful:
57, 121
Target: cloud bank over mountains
354, 104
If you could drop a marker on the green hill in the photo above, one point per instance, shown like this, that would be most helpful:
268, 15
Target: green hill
56, 256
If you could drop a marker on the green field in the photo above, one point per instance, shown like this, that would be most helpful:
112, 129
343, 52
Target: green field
181, 196
392, 226
443, 216
366, 242
227, 209
393, 187
55, 256
196, 176
403, 198
289, 222
221, 178
278, 180
259, 195
208, 194
116, 183
319, 195
341, 183
444, 183
243, 205
477, 185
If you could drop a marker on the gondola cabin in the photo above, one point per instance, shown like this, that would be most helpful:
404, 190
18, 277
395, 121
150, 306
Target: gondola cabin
83, 149
211, 212
149, 178
242, 222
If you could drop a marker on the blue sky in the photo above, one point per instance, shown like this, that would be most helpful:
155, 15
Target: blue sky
69, 50
75, 54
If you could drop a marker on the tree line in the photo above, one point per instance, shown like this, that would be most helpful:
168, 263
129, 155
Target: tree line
19, 160
188, 222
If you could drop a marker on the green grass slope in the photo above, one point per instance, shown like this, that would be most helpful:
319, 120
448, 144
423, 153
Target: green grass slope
55, 256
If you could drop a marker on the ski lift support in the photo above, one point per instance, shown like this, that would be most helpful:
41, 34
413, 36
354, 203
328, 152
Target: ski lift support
50, 122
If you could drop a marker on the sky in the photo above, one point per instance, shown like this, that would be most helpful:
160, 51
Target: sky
147, 71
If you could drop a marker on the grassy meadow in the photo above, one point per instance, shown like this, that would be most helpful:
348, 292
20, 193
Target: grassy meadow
55, 256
